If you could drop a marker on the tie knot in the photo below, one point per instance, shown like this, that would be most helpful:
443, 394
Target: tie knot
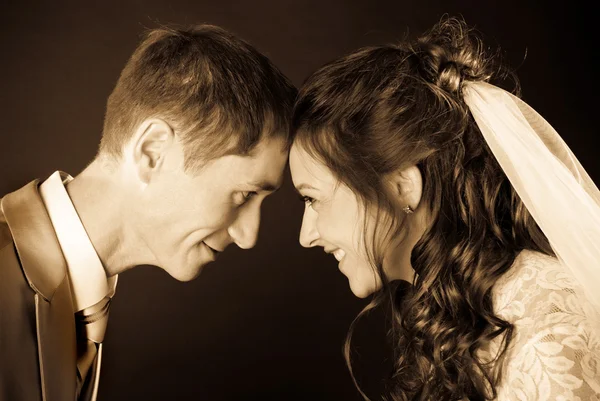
92, 321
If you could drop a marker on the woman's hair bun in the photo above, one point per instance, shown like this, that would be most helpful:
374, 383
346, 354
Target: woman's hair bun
451, 53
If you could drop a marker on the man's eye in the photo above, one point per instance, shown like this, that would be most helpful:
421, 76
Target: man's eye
248, 194
244, 196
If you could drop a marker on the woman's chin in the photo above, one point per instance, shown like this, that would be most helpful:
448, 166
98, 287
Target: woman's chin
362, 289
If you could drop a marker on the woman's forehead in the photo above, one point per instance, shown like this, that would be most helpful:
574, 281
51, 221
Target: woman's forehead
306, 169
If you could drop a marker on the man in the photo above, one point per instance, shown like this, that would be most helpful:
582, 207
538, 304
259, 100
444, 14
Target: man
195, 137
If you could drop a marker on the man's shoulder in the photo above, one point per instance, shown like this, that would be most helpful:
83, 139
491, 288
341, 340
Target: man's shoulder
5, 235
8, 254
27, 238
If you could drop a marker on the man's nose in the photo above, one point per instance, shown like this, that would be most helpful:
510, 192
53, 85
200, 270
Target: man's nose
244, 229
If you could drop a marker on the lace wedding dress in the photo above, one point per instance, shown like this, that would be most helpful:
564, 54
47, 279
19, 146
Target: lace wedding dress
555, 352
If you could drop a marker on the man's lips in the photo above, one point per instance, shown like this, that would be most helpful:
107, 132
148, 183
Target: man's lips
214, 250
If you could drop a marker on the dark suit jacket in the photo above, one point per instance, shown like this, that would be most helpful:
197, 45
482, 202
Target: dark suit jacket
37, 325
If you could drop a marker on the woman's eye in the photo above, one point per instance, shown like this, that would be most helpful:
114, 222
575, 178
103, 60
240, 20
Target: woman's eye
307, 200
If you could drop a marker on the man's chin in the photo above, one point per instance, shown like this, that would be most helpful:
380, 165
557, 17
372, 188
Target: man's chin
187, 274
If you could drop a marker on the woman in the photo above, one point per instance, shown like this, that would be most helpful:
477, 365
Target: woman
414, 169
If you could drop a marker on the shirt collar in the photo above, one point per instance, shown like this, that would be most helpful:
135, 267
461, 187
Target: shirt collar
89, 283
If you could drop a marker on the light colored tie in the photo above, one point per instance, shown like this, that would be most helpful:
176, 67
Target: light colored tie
91, 326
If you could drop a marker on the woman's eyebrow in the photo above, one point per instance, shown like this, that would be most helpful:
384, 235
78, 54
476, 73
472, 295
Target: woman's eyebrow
305, 186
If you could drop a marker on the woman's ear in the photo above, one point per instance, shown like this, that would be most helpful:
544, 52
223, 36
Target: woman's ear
407, 187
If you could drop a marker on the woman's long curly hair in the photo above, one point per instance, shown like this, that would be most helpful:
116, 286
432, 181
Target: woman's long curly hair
381, 109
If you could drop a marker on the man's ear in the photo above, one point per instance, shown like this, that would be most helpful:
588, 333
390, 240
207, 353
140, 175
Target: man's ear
152, 141
407, 186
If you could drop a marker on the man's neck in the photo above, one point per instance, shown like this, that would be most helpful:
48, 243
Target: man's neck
101, 203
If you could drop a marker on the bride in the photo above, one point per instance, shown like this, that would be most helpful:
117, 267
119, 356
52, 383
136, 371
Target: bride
414, 167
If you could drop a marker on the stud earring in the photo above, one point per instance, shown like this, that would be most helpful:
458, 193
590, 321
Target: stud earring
408, 210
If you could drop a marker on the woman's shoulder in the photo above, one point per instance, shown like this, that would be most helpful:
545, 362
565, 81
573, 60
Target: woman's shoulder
539, 286
556, 346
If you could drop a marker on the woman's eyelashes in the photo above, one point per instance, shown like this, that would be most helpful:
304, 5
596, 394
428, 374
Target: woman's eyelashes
307, 200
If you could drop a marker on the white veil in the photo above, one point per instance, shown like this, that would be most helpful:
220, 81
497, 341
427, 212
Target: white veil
547, 176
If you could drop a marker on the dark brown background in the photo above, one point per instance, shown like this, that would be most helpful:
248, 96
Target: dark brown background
267, 323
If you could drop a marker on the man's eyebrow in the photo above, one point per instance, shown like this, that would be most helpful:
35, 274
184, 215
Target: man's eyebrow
266, 186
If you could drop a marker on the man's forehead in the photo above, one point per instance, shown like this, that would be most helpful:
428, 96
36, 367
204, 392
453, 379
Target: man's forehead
267, 145
265, 169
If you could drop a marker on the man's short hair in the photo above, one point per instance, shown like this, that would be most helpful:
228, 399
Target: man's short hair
220, 94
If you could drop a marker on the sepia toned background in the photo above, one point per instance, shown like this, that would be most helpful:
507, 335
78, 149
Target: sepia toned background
268, 323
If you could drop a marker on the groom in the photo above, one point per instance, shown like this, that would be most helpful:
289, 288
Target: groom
195, 137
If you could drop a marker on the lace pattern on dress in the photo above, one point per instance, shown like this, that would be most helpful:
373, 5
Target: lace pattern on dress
555, 352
